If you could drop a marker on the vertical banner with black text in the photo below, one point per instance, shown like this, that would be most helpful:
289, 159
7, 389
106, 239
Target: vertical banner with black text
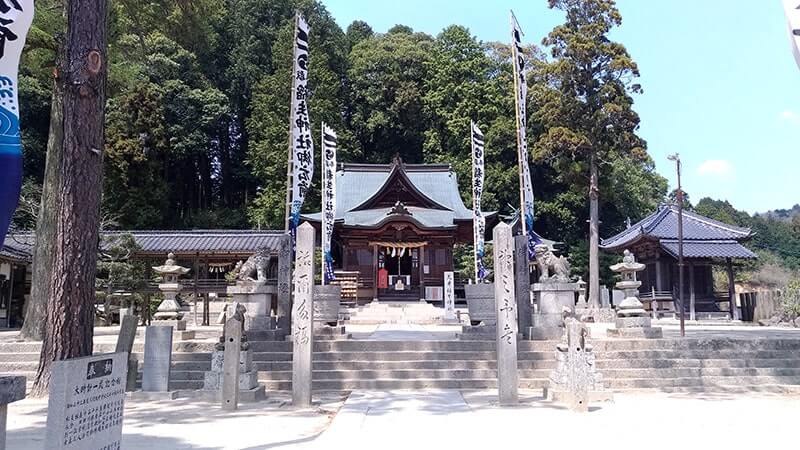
478, 221
329, 142
521, 96
302, 144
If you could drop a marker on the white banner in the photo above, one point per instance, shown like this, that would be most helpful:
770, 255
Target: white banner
302, 142
329, 143
478, 221
521, 92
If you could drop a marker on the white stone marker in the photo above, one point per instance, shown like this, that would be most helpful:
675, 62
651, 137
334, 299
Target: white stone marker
302, 316
157, 359
449, 297
506, 307
230, 365
87, 401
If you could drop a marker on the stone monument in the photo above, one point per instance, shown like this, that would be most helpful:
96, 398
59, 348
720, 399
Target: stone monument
575, 380
522, 278
482, 314
327, 303
506, 310
554, 292
632, 320
285, 283
169, 312
87, 402
249, 389
157, 363
12, 389
303, 317
127, 335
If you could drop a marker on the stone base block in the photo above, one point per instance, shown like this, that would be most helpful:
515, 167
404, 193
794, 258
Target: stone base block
212, 381
184, 335
152, 396
179, 325
564, 396
245, 395
642, 333
245, 361
547, 320
632, 322
478, 333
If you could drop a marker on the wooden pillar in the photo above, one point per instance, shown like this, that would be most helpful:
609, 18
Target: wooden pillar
659, 283
196, 278
731, 290
375, 272
692, 315
422, 273
9, 308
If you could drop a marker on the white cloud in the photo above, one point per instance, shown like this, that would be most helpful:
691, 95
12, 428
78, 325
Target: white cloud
790, 116
716, 167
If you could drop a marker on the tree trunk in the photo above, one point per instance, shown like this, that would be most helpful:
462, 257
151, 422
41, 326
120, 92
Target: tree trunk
594, 236
76, 184
33, 327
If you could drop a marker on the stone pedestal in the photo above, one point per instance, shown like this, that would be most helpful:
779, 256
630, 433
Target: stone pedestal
256, 296
548, 321
248, 377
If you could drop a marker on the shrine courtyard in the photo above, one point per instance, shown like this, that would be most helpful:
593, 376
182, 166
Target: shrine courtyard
733, 417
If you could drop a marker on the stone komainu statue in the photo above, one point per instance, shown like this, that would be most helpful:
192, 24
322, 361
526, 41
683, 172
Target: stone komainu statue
255, 268
238, 313
552, 268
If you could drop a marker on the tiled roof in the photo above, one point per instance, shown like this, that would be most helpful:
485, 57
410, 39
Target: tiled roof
206, 242
708, 249
357, 183
663, 224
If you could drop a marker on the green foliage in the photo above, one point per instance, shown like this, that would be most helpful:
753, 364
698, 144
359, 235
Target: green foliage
116, 271
790, 301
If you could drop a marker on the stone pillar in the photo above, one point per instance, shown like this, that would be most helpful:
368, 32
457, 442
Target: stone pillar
449, 298
302, 317
506, 307
230, 365
522, 285
285, 282
127, 335
157, 359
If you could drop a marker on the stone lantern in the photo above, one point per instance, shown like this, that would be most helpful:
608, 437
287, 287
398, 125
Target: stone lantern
632, 320
169, 311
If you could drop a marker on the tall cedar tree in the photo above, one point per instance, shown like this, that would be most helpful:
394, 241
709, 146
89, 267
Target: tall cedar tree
583, 100
70, 212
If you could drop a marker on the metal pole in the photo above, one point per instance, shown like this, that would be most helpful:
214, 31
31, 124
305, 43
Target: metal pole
680, 246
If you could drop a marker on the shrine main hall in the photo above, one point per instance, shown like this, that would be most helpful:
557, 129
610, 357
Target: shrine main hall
396, 226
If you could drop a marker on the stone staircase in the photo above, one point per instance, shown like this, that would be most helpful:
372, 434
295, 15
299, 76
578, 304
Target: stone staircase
420, 313
730, 365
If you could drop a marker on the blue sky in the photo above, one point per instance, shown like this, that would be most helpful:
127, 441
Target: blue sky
720, 84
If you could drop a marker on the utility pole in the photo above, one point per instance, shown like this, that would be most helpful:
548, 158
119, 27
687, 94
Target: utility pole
677, 158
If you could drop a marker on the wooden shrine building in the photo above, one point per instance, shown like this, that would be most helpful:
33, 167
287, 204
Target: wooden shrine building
396, 226
706, 243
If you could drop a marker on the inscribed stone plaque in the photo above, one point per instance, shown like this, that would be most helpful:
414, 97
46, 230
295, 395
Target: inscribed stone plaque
522, 279
127, 334
605, 301
285, 282
617, 297
157, 359
506, 307
449, 296
302, 316
86, 404
327, 300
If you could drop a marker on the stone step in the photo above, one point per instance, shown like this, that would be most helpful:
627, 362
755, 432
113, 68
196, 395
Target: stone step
636, 383
696, 363
404, 365
697, 354
698, 373
18, 357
